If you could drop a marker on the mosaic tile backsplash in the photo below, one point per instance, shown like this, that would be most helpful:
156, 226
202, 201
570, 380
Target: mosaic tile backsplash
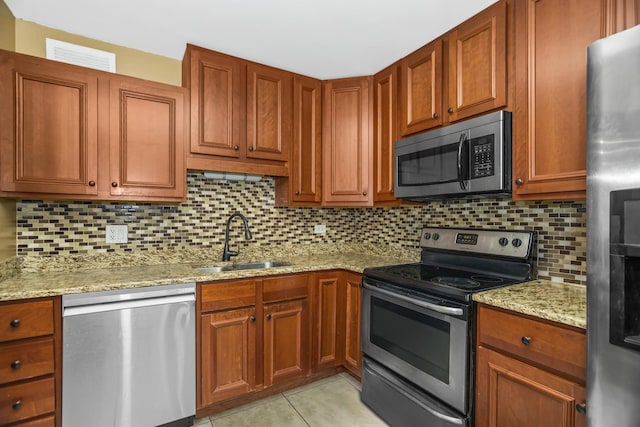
78, 228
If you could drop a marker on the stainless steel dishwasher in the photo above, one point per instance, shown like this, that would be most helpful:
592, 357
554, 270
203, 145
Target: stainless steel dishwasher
129, 357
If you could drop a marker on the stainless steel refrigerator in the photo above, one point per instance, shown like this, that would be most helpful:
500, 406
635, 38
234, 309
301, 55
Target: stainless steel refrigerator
613, 231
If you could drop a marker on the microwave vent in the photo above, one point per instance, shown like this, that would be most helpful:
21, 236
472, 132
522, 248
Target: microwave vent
81, 55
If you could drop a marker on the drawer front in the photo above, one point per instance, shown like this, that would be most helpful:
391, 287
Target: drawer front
551, 346
284, 288
19, 361
23, 401
25, 320
224, 295
40, 422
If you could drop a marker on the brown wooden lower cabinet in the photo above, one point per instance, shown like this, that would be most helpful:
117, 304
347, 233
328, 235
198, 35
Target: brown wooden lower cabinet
353, 294
525, 377
245, 345
286, 341
337, 321
30, 359
228, 340
513, 393
327, 351
274, 333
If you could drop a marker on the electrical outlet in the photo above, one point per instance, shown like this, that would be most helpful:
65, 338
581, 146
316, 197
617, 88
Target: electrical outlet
117, 233
320, 229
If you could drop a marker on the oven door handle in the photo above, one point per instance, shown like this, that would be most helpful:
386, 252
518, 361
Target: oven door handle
454, 311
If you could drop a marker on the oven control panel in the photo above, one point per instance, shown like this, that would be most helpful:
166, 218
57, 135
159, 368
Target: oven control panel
517, 244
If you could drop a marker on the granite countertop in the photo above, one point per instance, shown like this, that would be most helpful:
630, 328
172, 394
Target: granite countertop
558, 302
53, 283
44, 277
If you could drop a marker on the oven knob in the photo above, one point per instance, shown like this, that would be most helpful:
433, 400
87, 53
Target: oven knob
516, 242
427, 236
503, 241
436, 236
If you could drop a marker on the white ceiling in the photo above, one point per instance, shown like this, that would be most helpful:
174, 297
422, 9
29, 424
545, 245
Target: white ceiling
320, 38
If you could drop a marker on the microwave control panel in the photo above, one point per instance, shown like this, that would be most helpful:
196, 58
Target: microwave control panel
482, 156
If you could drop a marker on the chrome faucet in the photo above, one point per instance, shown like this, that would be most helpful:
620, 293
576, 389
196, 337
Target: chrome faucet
226, 253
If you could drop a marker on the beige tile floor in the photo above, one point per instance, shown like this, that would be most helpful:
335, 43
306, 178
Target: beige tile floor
331, 402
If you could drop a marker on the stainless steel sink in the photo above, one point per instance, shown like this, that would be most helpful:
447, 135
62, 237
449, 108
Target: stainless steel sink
261, 264
243, 266
217, 269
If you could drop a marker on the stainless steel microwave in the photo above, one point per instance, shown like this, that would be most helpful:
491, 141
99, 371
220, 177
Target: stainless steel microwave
469, 159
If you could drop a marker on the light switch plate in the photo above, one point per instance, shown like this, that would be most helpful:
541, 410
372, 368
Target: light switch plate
117, 233
320, 229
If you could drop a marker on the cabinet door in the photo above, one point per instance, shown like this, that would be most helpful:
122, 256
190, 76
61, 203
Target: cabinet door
286, 341
146, 139
329, 342
477, 64
269, 115
421, 89
385, 104
48, 127
621, 15
306, 161
228, 354
347, 156
512, 393
217, 102
550, 125
353, 354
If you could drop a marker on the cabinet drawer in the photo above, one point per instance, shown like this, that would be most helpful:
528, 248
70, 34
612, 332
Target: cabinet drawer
285, 288
25, 320
551, 346
224, 295
40, 422
22, 401
19, 361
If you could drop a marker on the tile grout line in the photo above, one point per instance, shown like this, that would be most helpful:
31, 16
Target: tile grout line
296, 409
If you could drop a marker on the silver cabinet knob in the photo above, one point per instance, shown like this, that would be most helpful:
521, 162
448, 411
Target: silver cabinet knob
519, 181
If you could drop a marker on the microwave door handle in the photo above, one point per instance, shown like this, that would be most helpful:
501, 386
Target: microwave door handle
424, 304
461, 142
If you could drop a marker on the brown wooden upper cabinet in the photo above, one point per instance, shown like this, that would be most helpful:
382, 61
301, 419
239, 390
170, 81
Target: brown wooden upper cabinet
551, 121
304, 185
477, 64
346, 144
421, 89
71, 132
146, 139
621, 15
385, 132
241, 114
48, 127
549, 130
458, 75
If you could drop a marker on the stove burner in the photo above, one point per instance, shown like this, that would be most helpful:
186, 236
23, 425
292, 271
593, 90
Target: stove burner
458, 282
487, 279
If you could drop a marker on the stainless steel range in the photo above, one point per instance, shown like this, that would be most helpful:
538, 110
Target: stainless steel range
418, 323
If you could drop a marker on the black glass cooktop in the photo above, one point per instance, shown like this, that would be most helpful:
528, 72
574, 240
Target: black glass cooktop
438, 280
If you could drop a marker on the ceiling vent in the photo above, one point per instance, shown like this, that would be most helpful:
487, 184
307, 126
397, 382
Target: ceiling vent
81, 55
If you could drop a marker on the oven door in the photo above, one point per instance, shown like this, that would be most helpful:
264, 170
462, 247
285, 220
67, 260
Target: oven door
419, 339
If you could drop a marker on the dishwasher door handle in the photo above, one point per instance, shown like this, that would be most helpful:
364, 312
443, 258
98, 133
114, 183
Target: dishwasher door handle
127, 304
